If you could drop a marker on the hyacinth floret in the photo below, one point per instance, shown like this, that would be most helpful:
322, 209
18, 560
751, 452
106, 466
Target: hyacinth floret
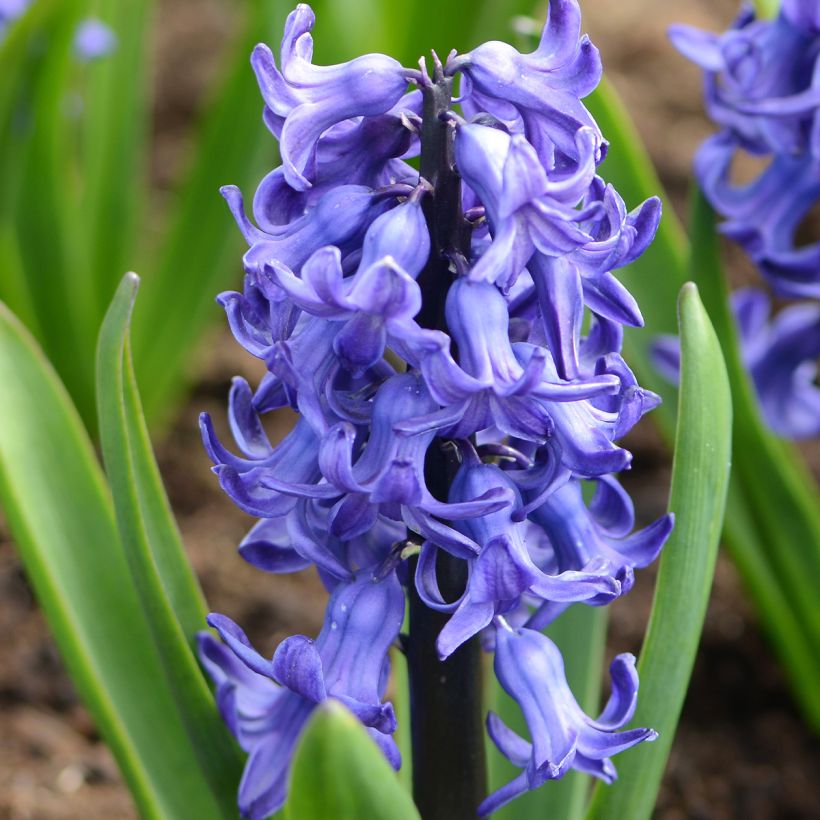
762, 86
427, 328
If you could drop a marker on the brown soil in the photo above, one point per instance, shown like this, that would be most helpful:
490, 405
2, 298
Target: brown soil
742, 750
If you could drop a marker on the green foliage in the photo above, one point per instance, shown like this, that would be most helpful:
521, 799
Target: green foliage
767, 542
61, 515
783, 546
339, 772
72, 205
163, 579
700, 480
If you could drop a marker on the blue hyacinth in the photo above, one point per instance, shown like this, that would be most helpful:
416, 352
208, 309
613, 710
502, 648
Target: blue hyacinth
339, 304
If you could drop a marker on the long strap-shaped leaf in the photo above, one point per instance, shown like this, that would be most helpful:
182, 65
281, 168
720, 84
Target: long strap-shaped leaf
60, 513
158, 565
42, 203
700, 480
201, 254
339, 773
777, 488
113, 131
753, 547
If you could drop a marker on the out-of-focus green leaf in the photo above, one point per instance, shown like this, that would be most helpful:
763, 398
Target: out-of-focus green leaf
153, 550
113, 129
580, 634
339, 772
700, 480
40, 198
767, 8
60, 514
203, 249
779, 492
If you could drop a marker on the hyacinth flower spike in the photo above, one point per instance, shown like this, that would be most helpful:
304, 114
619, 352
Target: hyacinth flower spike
530, 668
427, 326
267, 702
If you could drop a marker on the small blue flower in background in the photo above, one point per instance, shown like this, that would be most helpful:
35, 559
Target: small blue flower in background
339, 251
93, 40
10, 10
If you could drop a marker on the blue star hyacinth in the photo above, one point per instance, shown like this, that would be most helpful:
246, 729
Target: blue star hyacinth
472, 312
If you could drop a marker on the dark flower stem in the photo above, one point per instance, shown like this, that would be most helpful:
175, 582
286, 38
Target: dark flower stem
449, 772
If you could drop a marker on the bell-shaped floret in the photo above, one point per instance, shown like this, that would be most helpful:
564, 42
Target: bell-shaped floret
267, 702
545, 87
578, 534
388, 473
528, 207
365, 151
530, 668
311, 99
295, 459
380, 298
339, 218
496, 382
503, 570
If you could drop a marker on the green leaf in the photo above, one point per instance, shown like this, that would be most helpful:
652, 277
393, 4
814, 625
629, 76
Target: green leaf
178, 579
700, 479
339, 772
158, 566
40, 203
113, 130
580, 634
754, 546
202, 252
60, 514
783, 510
767, 8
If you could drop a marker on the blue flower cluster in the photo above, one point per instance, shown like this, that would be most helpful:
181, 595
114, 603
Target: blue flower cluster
780, 356
762, 86
337, 279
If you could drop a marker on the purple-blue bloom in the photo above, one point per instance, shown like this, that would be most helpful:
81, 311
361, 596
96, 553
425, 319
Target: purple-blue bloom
781, 356
267, 702
530, 668
428, 331
762, 86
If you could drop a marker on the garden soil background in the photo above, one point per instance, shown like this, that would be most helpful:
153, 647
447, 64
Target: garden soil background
742, 750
